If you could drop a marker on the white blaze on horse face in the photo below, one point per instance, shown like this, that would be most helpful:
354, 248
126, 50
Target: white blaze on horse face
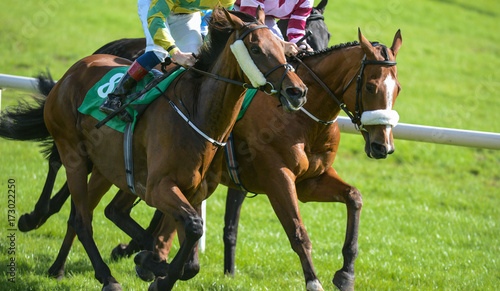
388, 130
390, 85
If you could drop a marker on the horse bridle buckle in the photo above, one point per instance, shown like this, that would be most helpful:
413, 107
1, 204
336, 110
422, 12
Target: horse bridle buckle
272, 91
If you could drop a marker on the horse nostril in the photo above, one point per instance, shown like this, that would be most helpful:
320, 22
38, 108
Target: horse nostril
379, 150
294, 92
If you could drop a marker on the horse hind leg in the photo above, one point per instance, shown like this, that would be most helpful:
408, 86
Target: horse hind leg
98, 186
167, 197
46, 206
40, 214
57, 269
85, 200
329, 187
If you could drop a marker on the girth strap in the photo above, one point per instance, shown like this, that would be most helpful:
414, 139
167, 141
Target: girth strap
129, 158
232, 166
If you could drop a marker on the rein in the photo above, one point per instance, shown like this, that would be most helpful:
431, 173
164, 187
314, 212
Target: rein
325, 87
191, 124
262, 88
287, 67
356, 117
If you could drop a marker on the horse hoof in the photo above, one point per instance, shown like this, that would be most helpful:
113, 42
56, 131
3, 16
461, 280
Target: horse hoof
119, 252
190, 270
161, 283
112, 287
343, 281
142, 257
314, 285
145, 275
24, 225
153, 286
58, 275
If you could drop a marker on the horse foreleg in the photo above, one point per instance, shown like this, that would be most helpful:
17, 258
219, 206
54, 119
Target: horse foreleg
168, 198
234, 200
283, 197
154, 264
329, 187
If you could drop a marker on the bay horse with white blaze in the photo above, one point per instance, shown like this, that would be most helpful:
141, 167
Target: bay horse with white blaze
171, 159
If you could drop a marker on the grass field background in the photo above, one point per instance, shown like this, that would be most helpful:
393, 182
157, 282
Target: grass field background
431, 214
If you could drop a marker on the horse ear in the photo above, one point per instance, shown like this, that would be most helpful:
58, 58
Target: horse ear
261, 17
235, 22
366, 45
321, 6
396, 44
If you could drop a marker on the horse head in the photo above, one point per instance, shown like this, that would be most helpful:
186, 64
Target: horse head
376, 91
258, 50
316, 23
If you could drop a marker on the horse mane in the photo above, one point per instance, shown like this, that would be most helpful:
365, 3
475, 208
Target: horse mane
219, 31
333, 48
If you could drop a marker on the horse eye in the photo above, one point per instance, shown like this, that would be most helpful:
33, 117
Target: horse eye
255, 50
371, 88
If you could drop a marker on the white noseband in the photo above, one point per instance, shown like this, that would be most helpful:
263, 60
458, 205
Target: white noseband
380, 117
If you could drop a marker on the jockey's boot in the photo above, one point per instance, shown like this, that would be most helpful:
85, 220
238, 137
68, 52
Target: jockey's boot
117, 97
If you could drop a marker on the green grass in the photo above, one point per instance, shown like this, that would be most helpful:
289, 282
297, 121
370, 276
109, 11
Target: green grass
430, 219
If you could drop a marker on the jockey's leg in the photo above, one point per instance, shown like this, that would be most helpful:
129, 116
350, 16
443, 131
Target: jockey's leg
135, 73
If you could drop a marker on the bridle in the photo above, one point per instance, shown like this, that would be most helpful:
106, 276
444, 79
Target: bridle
287, 67
157, 80
358, 111
263, 87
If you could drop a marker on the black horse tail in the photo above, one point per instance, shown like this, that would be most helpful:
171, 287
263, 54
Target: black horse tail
24, 122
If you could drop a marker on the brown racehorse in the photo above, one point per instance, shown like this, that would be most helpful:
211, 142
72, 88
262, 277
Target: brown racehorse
171, 159
45, 207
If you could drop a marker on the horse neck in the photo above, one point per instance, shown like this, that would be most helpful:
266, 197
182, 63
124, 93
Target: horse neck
336, 69
219, 102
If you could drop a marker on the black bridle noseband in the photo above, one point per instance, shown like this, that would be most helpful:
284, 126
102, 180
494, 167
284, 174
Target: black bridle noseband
356, 117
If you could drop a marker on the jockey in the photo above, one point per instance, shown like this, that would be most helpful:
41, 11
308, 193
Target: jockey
297, 11
171, 27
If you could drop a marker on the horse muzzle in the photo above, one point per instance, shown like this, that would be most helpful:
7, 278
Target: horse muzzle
293, 98
378, 141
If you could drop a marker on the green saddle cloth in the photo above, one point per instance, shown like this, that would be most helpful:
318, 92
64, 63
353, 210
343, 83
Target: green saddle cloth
249, 94
98, 93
